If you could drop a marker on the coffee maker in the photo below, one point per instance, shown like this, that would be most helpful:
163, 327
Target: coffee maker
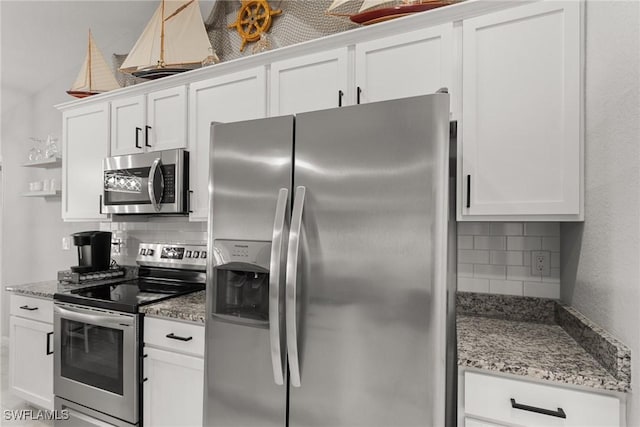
94, 251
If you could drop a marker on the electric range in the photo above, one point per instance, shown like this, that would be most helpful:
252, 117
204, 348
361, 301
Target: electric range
98, 333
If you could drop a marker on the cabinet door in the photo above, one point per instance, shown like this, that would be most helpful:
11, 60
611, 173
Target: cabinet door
173, 392
166, 119
409, 64
31, 361
127, 125
521, 140
85, 144
308, 83
231, 98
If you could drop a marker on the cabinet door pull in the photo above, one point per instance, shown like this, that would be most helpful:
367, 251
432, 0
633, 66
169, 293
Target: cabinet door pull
146, 136
340, 95
179, 338
138, 130
100, 204
26, 307
559, 413
358, 93
49, 350
468, 191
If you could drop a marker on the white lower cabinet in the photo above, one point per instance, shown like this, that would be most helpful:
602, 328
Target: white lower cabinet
173, 389
500, 401
31, 350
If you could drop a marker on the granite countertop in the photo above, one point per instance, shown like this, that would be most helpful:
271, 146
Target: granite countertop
188, 307
539, 339
47, 288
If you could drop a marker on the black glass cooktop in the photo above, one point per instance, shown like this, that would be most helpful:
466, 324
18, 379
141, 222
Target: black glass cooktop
129, 295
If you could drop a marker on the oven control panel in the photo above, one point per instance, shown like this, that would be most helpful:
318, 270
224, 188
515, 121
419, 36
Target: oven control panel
172, 255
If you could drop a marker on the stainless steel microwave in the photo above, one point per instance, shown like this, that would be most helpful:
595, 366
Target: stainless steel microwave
146, 183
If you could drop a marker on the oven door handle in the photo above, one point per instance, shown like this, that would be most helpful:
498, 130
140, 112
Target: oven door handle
156, 171
114, 321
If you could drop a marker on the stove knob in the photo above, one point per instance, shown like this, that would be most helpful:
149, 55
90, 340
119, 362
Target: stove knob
203, 254
150, 252
196, 254
143, 251
187, 254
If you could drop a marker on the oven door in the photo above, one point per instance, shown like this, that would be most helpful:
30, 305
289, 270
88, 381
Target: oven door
96, 359
145, 183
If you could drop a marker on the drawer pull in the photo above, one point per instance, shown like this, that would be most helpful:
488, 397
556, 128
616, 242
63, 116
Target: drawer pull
26, 307
559, 413
176, 337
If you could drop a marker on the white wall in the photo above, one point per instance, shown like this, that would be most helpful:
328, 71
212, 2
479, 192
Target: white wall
31, 227
601, 257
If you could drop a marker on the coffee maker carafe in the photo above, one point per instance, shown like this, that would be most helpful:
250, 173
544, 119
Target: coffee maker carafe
94, 251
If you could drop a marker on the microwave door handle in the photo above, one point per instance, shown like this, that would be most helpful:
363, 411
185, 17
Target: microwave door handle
154, 171
292, 284
278, 250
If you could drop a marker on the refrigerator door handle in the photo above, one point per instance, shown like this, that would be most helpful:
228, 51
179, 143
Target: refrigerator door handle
278, 249
291, 289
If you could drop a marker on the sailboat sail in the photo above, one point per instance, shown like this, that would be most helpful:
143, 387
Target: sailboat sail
175, 37
95, 75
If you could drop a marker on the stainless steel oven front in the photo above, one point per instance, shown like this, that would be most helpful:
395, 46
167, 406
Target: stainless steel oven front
96, 361
146, 183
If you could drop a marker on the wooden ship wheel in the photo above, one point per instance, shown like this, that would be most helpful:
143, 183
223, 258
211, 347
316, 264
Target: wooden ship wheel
254, 19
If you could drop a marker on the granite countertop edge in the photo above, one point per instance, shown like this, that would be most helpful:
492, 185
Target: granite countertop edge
190, 307
610, 355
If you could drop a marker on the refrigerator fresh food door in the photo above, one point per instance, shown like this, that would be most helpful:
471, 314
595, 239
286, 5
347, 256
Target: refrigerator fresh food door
366, 267
250, 178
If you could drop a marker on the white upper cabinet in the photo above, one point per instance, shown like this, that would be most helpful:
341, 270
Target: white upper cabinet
409, 64
85, 141
230, 98
166, 126
127, 125
521, 142
310, 82
152, 122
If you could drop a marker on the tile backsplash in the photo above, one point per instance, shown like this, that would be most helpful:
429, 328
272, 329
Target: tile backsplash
160, 230
493, 257
496, 257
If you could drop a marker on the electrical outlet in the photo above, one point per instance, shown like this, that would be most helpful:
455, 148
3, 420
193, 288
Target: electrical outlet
66, 243
540, 263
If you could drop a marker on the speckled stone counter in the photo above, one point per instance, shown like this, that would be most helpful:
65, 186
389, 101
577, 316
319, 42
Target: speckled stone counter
545, 340
188, 307
48, 288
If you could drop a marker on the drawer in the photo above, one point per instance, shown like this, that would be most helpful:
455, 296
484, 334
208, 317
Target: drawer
173, 335
32, 308
489, 397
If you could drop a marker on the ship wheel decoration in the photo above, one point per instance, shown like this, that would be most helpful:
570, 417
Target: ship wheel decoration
254, 19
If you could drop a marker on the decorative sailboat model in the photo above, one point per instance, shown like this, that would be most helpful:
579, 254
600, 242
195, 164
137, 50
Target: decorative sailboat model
174, 41
368, 15
95, 75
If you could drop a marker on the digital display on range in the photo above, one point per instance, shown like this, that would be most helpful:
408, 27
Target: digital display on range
171, 252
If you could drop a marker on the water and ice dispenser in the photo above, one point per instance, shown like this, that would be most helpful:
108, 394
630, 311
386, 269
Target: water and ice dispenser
242, 280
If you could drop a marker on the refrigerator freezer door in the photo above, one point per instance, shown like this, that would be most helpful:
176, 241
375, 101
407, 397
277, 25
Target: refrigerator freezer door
371, 291
250, 164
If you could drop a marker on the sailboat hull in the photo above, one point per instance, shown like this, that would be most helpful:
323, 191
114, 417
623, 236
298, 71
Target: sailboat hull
81, 94
157, 73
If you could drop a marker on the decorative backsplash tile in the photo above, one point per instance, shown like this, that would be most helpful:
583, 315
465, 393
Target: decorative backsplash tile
160, 230
496, 257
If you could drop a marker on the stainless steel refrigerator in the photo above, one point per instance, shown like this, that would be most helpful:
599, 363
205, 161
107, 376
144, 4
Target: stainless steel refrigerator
330, 285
